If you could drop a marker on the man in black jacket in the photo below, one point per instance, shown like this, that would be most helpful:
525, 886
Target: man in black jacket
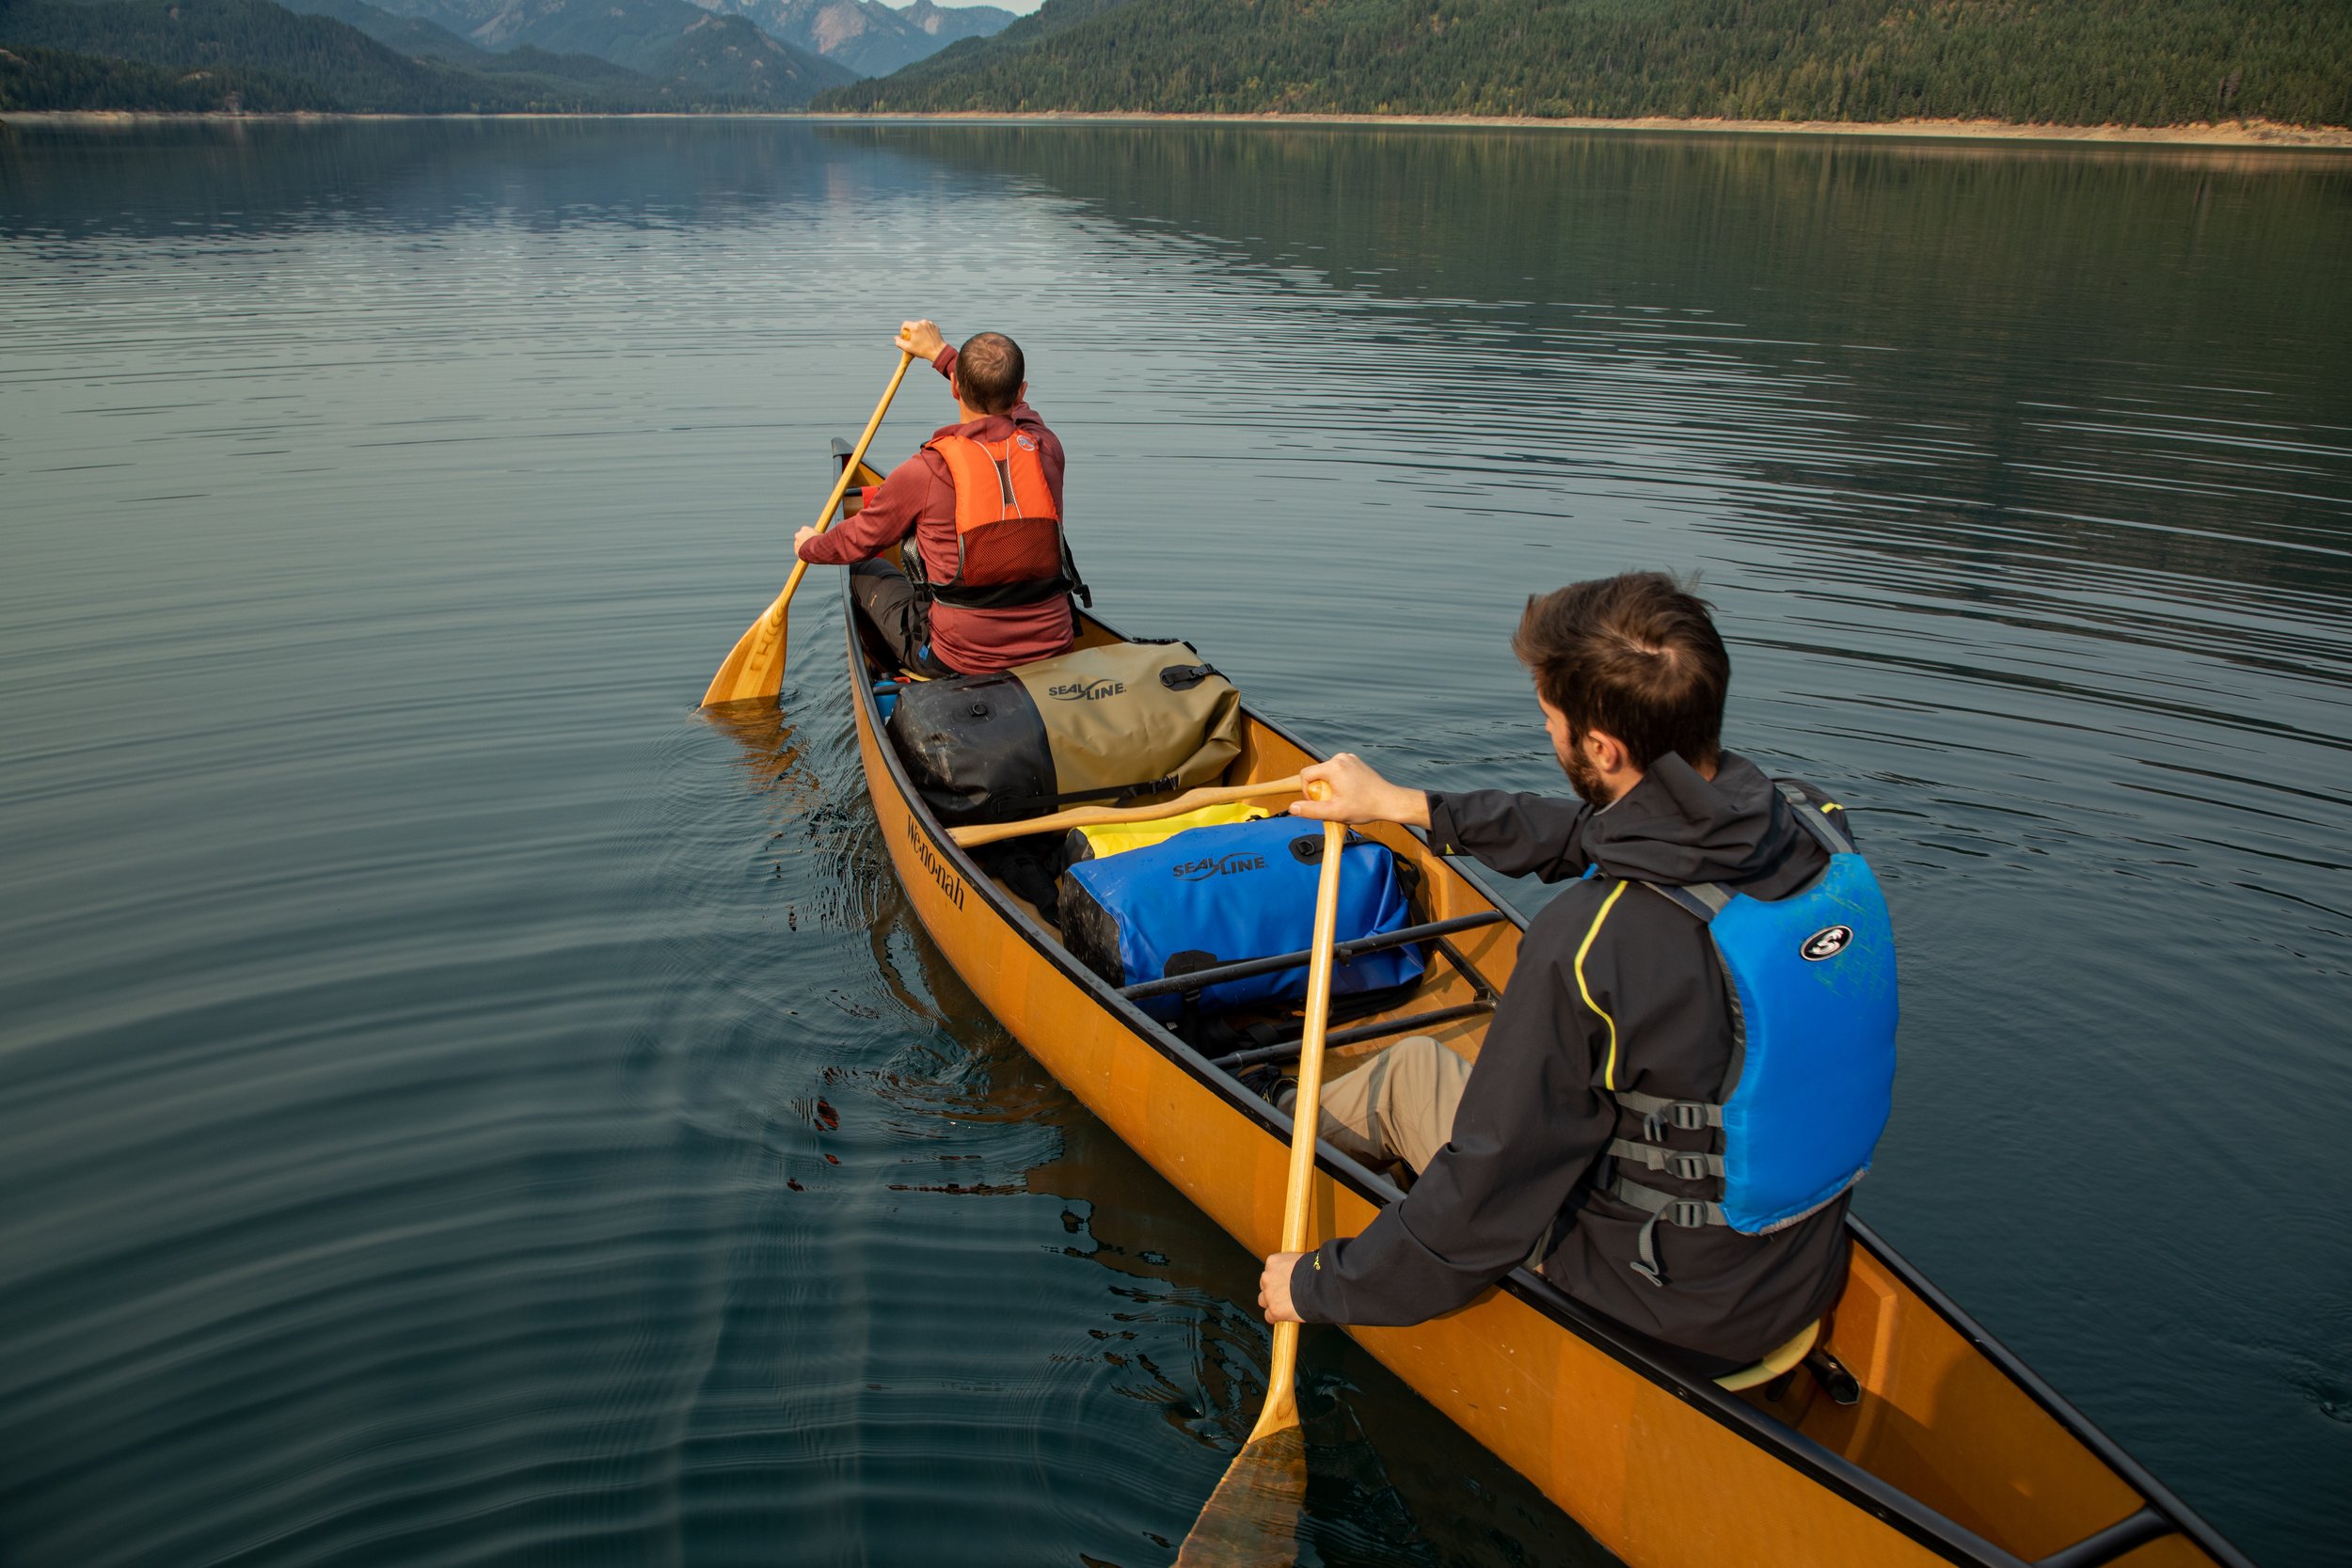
1615, 989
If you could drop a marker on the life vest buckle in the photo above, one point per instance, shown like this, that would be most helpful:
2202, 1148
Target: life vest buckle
1688, 1167
1687, 1214
1684, 1116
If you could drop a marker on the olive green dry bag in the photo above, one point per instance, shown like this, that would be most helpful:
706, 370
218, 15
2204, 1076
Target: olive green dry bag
1092, 726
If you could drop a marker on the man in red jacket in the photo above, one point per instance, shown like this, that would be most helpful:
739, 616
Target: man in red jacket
990, 576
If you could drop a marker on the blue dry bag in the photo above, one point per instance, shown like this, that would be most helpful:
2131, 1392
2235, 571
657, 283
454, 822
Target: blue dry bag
1220, 894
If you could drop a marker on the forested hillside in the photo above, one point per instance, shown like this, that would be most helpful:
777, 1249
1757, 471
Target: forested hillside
2134, 62
270, 58
35, 78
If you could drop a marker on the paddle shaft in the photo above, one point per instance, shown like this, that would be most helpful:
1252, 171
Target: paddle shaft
841, 485
1104, 816
755, 666
1281, 1401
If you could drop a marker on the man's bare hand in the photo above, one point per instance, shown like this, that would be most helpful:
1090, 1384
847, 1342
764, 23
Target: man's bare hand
921, 338
1360, 795
800, 540
1274, 1288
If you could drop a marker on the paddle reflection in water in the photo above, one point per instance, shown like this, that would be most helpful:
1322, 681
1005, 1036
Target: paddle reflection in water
1253, 1515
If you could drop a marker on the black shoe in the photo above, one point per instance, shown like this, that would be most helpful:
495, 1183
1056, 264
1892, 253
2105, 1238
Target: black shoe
1275, 1083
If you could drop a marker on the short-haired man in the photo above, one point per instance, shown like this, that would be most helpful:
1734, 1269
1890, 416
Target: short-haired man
1588, 1138
991, 575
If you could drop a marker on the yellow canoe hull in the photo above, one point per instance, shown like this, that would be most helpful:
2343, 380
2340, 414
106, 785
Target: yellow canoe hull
1955, 1453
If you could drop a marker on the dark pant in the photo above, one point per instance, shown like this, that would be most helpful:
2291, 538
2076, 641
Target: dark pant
894, 617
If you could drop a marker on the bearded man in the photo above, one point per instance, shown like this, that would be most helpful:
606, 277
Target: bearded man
1592, 1140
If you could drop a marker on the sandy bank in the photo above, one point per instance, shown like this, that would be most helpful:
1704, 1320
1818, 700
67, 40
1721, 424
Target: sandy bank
2251, 132
2232, 134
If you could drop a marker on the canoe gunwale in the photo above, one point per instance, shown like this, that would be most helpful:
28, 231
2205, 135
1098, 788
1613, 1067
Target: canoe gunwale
1825, 1466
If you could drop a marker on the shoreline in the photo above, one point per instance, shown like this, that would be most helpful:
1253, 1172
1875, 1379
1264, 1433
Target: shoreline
2260, 135
2248, 134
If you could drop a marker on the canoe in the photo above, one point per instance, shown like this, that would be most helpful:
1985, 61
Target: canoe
1950, 1451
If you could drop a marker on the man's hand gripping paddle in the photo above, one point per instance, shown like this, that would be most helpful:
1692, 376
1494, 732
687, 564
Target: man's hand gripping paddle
1252, 1517
754, 670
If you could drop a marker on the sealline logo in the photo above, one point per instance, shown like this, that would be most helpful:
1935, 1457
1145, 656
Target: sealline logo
1827, 943
1086, 692
1217, 866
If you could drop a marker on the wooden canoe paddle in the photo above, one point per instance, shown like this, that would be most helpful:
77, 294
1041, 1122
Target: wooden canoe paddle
1252, 1517
1105, 816
754, 668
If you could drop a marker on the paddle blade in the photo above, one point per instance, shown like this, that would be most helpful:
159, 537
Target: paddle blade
754, 668
1253, 1516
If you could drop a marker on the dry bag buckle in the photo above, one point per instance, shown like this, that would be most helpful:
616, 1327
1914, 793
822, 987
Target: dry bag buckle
1184, 678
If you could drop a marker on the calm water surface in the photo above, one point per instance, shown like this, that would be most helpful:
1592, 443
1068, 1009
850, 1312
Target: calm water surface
459, 1106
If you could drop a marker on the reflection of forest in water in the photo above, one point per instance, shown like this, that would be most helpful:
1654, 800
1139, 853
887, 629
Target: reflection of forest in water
2130, 348
1944, 354
146, 179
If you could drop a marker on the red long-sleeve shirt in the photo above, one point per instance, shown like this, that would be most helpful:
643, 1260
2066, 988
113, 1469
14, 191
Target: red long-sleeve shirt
919, 498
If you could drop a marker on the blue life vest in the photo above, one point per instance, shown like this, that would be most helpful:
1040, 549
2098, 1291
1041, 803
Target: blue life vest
1811, 982
1220, 894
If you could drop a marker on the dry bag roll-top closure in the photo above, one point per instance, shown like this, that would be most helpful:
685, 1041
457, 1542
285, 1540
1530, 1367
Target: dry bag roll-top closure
1009, 546
1093, 726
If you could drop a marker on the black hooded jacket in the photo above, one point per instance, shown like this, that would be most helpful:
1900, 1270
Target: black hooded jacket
1527, 1151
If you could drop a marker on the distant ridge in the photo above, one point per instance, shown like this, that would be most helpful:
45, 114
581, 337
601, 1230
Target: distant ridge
418, 38
2128, 62
254, 56
864, 37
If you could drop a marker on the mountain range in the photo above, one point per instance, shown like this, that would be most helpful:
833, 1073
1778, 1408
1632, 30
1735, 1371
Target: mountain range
868, 37
864, 37
255, 54
458, 56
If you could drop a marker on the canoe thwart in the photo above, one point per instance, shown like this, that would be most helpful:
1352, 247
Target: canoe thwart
1468, 971
2134, 1530
1201, 979
1283, 1050
973, 837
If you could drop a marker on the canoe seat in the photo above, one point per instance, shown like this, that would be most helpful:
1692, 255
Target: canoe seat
1779, 1361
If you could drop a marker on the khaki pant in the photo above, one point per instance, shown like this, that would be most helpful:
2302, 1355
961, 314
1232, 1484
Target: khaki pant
1401, 1107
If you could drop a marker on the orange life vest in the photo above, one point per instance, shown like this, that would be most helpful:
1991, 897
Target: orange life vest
1009, 549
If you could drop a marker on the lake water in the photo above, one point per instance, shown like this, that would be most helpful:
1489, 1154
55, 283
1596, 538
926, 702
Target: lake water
459, 1106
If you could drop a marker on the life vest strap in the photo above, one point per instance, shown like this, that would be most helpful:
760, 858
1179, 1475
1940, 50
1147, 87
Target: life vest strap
1704, 900
1658, 1113
1688, 1213
1815, 820
1687, 1165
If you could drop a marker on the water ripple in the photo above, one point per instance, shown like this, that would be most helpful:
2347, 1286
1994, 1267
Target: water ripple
462, 1107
